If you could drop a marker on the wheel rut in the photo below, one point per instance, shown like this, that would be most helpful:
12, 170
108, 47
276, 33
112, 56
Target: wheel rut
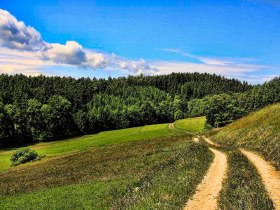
208, 190
270, 176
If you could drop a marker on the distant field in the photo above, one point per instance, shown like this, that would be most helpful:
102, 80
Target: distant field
161, 172
63, 147
191, 124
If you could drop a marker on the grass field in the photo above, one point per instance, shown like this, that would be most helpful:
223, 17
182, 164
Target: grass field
160, 173
63, 147
258, 131
191, 124
109, 170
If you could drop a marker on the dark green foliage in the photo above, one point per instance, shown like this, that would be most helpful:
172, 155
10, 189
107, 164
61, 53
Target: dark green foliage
225, 108
243, 188
43, 108
23, 155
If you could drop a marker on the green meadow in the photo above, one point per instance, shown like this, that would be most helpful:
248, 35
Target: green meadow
191, 124
72, 145
109, 170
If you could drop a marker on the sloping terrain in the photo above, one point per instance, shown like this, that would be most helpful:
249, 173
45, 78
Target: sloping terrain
162, 172
256, 171
71, 145
259, 131
191, 124
109, 170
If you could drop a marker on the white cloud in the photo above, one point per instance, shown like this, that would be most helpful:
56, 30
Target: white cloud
239, 68
70, 53
209, 60
16, 35
25, 62
26, 52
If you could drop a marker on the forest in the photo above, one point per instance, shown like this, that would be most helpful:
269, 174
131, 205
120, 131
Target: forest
34, 109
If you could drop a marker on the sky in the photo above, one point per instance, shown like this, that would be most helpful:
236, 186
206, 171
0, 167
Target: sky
101, 38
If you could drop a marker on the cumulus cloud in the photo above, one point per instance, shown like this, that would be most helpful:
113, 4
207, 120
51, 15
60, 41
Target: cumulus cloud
70, 53
16, 35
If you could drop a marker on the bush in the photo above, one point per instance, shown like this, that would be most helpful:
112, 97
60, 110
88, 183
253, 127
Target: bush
23, 156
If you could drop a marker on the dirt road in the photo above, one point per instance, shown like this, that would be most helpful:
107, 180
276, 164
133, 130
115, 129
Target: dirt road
208, 190
171, 125
210, 142
270, 176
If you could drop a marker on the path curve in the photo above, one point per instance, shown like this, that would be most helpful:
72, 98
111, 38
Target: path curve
210, 142
171, 125
270, 176
208, 190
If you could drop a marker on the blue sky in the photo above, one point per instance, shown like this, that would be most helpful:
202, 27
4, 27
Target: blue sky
237, 38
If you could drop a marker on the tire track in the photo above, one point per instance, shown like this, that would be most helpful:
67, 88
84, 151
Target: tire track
270, 176
208, 190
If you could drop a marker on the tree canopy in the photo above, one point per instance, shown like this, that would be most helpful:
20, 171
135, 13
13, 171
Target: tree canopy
44, 108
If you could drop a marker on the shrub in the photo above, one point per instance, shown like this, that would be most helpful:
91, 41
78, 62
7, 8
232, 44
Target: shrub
23, 156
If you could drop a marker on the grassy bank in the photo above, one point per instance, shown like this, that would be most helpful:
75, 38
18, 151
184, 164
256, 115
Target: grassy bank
243, 188
160, 173
258, 131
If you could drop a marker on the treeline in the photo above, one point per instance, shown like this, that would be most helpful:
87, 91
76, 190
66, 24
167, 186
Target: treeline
43, 108
80, 91
225, 108
32, 121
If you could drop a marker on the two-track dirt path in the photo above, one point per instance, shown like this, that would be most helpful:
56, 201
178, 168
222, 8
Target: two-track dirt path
270, 176
171, 125
208, 190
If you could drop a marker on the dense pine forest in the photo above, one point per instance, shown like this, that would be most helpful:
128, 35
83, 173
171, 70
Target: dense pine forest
44, 108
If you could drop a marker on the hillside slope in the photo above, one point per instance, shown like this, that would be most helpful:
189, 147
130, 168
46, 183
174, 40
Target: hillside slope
162, 173
259, 131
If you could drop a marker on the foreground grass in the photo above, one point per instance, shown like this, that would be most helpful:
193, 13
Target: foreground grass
191, 124
63, 147
243, 188
150, 174
259, 131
